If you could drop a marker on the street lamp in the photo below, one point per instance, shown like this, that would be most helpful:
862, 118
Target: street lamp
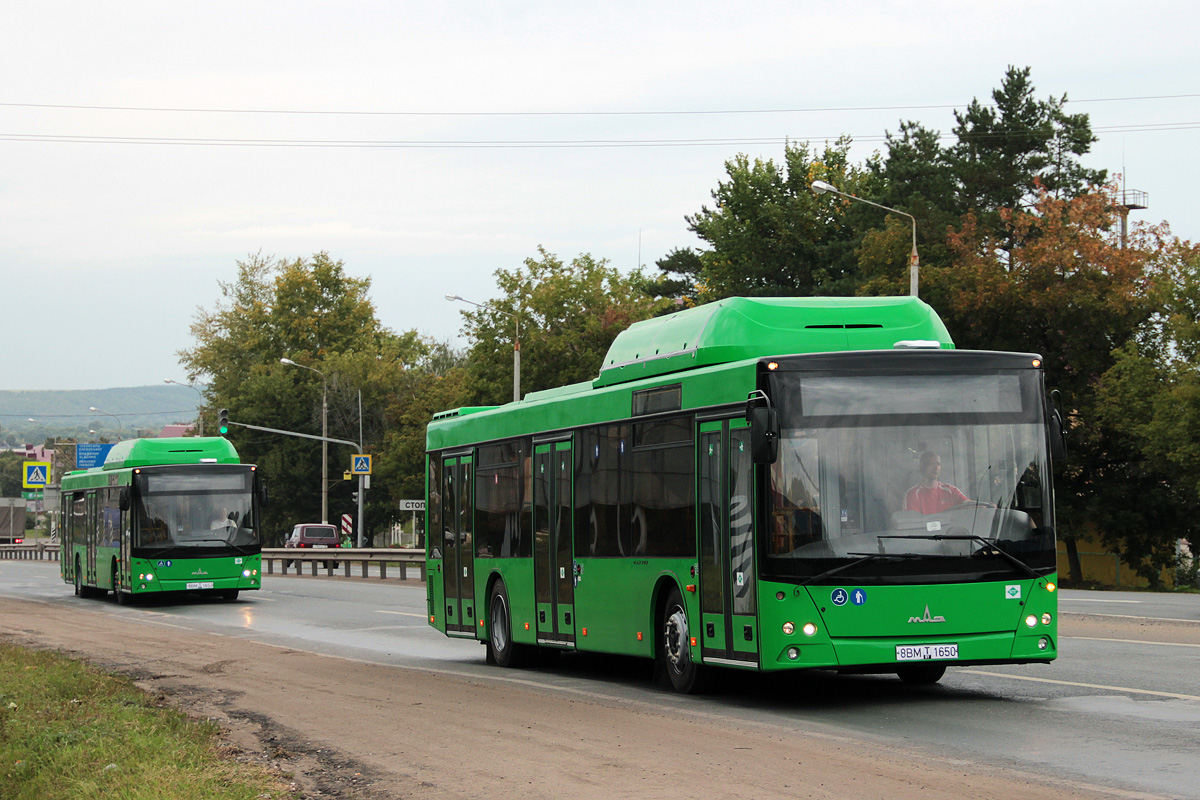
821, 187
200, 410
324, 434
516, 342
120, 429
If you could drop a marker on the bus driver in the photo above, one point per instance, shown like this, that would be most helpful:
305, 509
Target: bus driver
931, 496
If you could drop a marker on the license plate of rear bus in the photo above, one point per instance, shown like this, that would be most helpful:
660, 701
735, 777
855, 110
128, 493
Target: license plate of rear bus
926, 652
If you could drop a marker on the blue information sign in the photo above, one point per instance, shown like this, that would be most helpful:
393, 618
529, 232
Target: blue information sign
89, 455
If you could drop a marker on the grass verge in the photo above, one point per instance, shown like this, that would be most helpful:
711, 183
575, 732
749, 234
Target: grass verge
68, 730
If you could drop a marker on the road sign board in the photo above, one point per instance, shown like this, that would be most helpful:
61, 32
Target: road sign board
412, 505
32, 494
88, 455
36, 474
360, 464
347, 524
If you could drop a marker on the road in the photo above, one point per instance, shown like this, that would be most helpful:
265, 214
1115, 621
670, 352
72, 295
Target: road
1117, 715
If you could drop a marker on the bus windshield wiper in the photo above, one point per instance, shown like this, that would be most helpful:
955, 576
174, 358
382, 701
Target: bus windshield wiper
225, 542
987, 543
865, 558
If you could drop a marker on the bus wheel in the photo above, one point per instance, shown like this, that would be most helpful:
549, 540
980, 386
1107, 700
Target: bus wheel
78, 580
121, 597
921, 674
230, 594
501, 649
675, 652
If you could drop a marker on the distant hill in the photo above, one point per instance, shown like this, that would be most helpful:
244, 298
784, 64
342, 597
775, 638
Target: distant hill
64, 414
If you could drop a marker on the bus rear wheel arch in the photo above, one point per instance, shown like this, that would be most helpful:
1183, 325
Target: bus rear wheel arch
673, 653
501, 649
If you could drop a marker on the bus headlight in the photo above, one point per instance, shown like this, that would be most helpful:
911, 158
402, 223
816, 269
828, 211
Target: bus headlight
1043, 643
809, 629
793, 653
149, 576
245, 573
789, 628
1046, 618
1031, 621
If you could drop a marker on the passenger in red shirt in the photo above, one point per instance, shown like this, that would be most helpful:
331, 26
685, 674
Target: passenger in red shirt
931, 495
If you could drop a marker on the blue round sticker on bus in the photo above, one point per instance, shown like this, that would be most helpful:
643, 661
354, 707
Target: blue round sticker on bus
164, 563
839, 597
858, 597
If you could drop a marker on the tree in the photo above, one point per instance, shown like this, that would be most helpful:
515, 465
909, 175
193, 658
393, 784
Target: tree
312, 311
1149, 401
1072, 294
769, 235
569, 315
1007, 156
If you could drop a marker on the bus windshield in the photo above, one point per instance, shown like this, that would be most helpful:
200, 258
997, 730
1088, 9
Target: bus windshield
939, 477
203, 507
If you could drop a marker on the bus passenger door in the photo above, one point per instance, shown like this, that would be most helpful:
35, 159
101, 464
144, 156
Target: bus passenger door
94, 523
553, 565
458, 570
728, 579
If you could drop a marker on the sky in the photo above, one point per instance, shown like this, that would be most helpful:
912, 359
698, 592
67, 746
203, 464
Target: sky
149, 146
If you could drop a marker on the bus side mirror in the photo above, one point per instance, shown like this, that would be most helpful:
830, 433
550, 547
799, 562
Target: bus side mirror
1058, 437
124, 501
764, 435
262, 492
1057, 430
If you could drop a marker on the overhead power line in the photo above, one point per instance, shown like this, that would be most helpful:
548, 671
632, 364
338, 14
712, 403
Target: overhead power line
524, 143
628, 113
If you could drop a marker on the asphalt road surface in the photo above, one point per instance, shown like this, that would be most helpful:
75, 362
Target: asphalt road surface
1118, 714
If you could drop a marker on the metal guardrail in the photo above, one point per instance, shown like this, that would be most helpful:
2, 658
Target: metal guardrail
345, 558
34, 551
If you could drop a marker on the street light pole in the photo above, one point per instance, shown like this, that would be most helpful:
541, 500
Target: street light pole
120, 429
821, 187
199, 411
324, 434
516, 342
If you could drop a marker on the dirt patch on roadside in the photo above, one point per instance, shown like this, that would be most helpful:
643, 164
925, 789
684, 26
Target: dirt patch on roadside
352, 730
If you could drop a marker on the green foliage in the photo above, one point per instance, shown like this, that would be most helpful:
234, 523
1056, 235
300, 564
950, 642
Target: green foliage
11, 474
1008, 155
569, 314
770, 235
69, 731
312, 312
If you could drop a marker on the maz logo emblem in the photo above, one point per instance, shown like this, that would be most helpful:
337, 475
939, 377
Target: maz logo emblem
927, 617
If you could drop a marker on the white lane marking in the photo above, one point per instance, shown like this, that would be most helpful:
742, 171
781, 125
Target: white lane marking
401, 613
1095, 600
1100, 686
1132, 616
1128, 641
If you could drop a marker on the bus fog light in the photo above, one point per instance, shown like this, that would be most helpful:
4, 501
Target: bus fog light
789, 628
809, 629
793, 653
1043, 643
1046, 618
1031, 621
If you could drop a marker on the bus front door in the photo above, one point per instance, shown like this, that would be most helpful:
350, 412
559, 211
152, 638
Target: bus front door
458, 571
728, 602
553, 566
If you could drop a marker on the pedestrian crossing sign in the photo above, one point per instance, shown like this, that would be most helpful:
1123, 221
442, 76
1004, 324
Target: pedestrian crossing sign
360, 464
36, 474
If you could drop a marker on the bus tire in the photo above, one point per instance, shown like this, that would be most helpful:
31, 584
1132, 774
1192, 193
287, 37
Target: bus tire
78, 580
921, 674
674, 649
501, 649
230, 594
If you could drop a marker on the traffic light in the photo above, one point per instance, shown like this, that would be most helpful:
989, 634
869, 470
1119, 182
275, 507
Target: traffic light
354, 497
223, 421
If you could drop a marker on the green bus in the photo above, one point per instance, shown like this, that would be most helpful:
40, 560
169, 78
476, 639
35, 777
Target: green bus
761, 484
163, 515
